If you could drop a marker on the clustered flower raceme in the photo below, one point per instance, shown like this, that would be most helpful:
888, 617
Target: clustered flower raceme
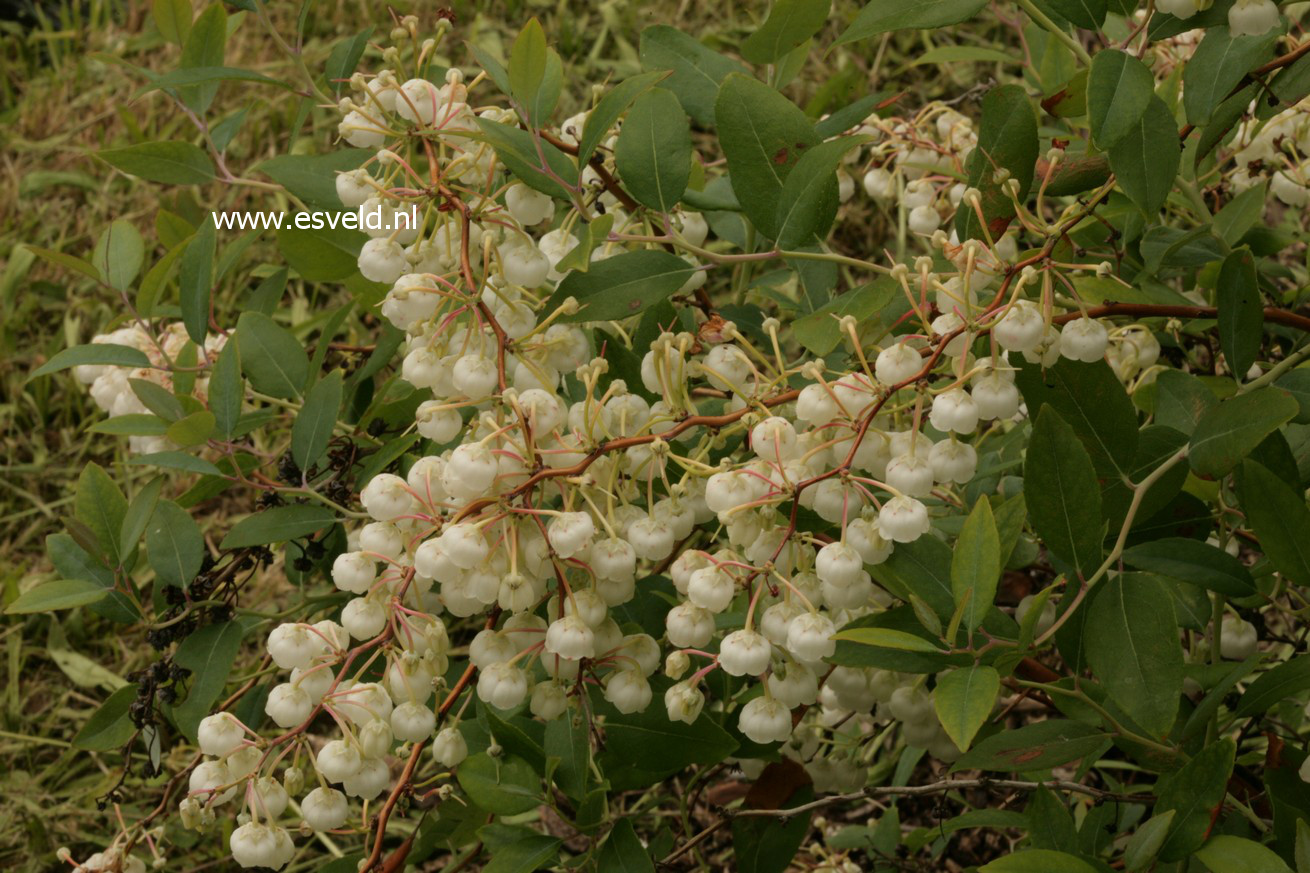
1245, 17
555, 488
111, 386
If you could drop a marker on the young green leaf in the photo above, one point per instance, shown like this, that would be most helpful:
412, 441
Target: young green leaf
976, 565
964, 698
1241, 312
653, 154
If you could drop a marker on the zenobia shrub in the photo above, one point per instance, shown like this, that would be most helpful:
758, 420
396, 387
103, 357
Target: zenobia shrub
1015, 488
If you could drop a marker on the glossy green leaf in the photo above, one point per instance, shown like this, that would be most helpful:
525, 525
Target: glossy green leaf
110, 726
1038, 746
100, 504
653, 154
535, 74
506, 785
204, 47
887, 638
1224, 853
1181, 400
272, 358
696, 71
522, 154
343, 60
623, 285
623, 851
118, 254
1038, 861
1194, 791
1146, 841
1241, 213
615, 102
964, 699
1135, 650
881, 16
1119, 88
1081, 13
226, 390
209, 654
808, 203
1218, 65
1007, 140
1286, 680
93, 354
313, 178
58, 594
174, 545
313, 426
1063, 497
820, 331
1241, 312
172, 163
976, 565
789, 25
1230, 431
1194, 562
278, 525
1145, 161
763, 136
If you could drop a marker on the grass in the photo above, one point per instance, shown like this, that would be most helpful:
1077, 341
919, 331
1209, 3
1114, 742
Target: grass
64, 81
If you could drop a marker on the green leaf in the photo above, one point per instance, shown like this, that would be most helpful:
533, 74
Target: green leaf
1241, 213
790, 23
1007, 140
1039, 746
1119, 88
174, 545
272, 358
622, 286
109, 354
1181, 400
887, 638
226, 390
1218, 66
881, 16
1225, 853
204, 47
209, 654
1278, 515
321, 253
173, 18
663, 746
695, 71
1062, 494
528, 852
313, 178
1230, 431
1194, 562
1146, 159
176, 461
535, 92
192, 430
653, 154
313, 426
68, 262
172, 163
209, 76
521, 154
1038, 861
196, 280
808, 203
964, 698
1195, 791
118, 254
1241, 313
1134, 650
100, 504
764, 845
59, 594
1302, 848
343, 60
568, 742
1146, 841
623, 851
763, 135
1082, 13
601, 119
110, 726
278, 525
138, 514
976, 565
505, 786
1286, 680
950, 54
579, 257
820, 331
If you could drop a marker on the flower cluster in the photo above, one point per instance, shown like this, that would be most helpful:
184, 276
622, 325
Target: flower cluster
111, 387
